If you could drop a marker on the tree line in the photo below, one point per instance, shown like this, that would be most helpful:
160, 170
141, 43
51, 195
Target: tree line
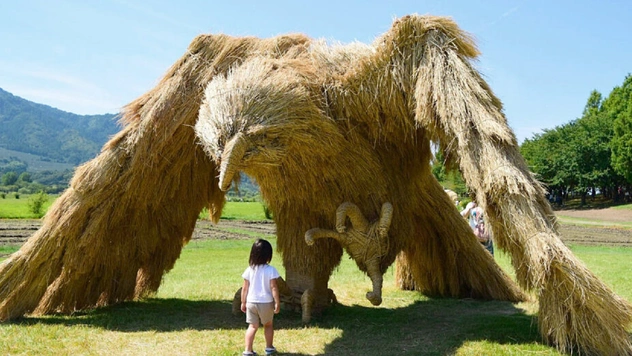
14, 178
589, 155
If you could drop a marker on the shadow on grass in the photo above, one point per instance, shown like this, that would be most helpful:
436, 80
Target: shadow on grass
429, 327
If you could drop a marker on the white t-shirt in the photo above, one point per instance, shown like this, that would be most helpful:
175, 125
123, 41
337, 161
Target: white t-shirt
259, 277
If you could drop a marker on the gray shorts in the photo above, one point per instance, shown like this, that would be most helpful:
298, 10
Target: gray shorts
256, 312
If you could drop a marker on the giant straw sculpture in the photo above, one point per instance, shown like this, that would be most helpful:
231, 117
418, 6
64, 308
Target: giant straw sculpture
316, 126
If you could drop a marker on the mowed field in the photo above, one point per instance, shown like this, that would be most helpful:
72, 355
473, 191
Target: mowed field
191, 313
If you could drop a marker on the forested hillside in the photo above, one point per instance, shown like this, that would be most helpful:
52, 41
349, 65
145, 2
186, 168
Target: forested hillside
41, 145
53, 134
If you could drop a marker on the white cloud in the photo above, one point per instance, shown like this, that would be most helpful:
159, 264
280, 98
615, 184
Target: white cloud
56, 88
72, 101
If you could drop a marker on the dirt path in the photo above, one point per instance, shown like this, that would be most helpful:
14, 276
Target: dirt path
15, 232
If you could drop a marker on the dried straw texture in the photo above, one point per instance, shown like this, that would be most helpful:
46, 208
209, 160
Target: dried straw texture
122, 224
355, 123
578, 313
333, 126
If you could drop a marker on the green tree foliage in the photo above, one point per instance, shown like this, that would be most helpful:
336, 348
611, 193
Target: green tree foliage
549, 155
12, 164
36, 203
9, 178
592, 138
25, 177
619, 107
30, 183
449, 177
577, 156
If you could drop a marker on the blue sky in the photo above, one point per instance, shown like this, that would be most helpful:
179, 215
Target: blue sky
542, 58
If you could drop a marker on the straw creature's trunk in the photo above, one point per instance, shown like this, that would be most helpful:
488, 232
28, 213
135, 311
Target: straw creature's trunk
366, 242
122, 224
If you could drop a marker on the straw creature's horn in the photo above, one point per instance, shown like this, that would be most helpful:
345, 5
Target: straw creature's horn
231, 159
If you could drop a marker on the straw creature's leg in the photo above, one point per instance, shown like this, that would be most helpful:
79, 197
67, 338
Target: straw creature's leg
236, 307
307, 303
285, 294
578, 312
444, 256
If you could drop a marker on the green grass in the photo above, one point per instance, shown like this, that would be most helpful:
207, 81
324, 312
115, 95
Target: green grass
12, 208
624, 207
243, 211
6, 250
593, 222
191, 315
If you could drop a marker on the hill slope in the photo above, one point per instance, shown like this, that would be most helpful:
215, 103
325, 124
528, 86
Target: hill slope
53, 134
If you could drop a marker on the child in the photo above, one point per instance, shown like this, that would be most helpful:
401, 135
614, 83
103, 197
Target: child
260, 295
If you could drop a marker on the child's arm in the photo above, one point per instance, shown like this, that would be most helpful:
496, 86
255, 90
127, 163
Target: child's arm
275, 294
244, 294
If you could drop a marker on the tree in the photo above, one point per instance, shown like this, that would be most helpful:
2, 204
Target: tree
593, 138
448, 175
9, 178
576, 155
550, 155
25, 177
619, 107
36, 203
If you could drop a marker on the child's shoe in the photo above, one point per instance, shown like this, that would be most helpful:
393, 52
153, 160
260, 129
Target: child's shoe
249, 353
271, 351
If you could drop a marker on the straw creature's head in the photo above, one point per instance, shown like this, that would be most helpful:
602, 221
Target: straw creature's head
250, 118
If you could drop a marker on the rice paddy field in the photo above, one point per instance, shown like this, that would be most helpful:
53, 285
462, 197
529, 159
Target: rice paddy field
191, 313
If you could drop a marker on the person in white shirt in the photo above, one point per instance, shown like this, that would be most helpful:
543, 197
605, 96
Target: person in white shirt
260, 295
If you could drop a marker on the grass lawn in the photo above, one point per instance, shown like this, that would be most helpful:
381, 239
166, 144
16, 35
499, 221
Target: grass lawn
191, 315
12, 208
240, 211
593, 222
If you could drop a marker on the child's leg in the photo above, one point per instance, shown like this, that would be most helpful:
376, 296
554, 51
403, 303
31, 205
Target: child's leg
268, 331
250, 335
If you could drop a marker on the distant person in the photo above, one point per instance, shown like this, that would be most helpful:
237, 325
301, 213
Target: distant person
475, 216
260, 296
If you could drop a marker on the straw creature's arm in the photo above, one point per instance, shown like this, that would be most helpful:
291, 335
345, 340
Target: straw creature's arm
460, 112
318, 233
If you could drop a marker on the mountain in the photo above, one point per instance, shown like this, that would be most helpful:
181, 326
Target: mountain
50, 133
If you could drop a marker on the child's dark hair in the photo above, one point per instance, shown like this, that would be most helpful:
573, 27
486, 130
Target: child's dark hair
260, 253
